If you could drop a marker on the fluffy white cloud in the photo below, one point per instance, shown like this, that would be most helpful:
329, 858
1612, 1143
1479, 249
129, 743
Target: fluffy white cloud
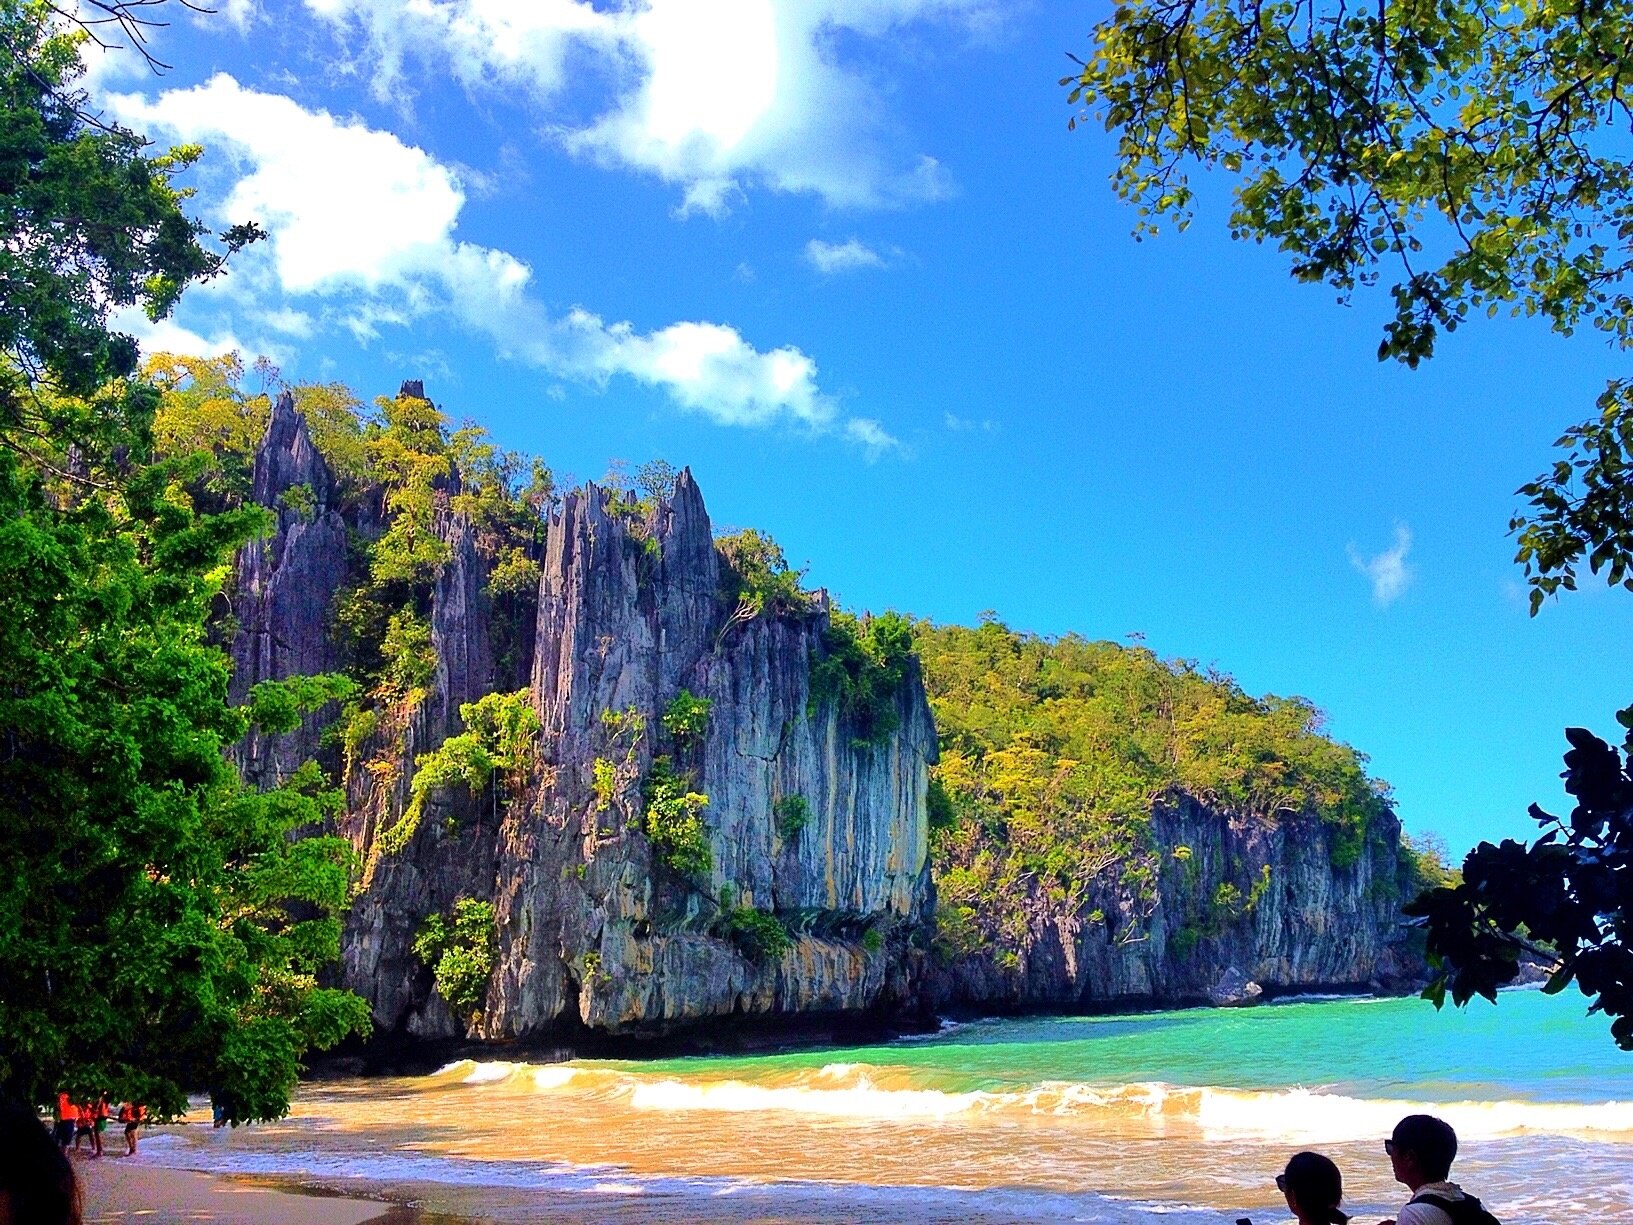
1388, 571
714, 96
362, 227
168, 336
343, 204
831, 257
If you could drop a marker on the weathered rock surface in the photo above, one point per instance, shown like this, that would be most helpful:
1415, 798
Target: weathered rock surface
593, 929
1290, 920
286, 584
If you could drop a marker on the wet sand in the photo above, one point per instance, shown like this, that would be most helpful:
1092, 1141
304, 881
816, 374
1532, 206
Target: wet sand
122, 1189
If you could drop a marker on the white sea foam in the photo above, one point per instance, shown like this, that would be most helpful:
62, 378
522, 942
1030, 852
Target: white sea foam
1286, 1115
860, 1091
488, 1073
858, 1101
835, 1200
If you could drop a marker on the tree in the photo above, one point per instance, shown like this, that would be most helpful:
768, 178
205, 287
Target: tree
1481, 150
89, 224
160, 929
162, 926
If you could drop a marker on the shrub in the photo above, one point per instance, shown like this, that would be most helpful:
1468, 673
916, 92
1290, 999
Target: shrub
686, 719
793, 814
301, 500
861, 669
517, 574
604, 784
758, 934
674, 820
501, 730
873, 940
460, 950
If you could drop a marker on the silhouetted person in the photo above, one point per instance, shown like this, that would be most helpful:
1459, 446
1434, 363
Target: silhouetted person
37, 1185
1314, 1189
1422, 1150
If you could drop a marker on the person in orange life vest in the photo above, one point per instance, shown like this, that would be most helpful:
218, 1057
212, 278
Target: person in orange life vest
132, 1115
67, 1118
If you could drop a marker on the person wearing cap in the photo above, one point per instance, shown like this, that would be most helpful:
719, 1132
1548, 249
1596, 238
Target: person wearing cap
1314, 1188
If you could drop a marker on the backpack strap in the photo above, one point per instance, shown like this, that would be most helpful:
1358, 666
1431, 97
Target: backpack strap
1466, 1209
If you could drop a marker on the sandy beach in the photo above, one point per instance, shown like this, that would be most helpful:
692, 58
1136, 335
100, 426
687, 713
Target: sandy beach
122, 1189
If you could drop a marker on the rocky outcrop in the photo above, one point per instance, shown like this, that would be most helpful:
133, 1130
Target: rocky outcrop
285, 588
1244, 908
594, 929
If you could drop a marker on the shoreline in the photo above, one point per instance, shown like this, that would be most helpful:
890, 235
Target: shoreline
117, 1188
396, 1055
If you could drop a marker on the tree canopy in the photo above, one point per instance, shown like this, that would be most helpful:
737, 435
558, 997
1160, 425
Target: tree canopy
1054, 752
162, 927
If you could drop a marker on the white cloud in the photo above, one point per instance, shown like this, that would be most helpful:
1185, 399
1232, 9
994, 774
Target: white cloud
871, 435
1388, 571
168, 336
831, 257
362, 228
965, 425
714, 96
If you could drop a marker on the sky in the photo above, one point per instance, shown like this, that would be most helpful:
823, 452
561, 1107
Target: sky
845, 260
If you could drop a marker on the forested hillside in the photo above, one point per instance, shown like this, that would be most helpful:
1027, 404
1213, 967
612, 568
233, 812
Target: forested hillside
1062, 764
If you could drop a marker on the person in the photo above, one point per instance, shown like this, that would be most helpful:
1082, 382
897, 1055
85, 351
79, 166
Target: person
132, 1115
37, 1183
100, 1125
85, 1125
67, 1121
1421, 1150
1314, 1188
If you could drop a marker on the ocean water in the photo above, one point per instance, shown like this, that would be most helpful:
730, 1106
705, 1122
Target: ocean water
1165, 1117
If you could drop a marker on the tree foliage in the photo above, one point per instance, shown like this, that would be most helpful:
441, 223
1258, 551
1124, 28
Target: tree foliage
1053, 753
460, 950
501, 735
860, 668
1478, 148
755, 579
166, 930
673, 819
1568, 895
89, 224
162, 927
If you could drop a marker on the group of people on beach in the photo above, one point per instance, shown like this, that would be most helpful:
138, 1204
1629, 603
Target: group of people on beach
88, 1119
1421, 1151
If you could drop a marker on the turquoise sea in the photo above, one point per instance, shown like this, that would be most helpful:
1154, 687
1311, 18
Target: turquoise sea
1173, 1116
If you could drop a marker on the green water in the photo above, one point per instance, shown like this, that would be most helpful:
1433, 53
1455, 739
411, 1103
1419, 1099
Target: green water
1531, 1047
1182, 1117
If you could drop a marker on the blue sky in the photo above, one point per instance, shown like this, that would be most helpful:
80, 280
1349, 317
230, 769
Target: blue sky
845, 260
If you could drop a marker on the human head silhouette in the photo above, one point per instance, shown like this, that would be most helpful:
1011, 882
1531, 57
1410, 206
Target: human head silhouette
37, 1183
1421, 1149
1314, 1188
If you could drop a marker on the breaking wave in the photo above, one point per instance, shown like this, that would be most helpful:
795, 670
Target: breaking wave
872, 1092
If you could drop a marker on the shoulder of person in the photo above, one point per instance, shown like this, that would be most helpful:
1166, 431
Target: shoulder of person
1423, 1214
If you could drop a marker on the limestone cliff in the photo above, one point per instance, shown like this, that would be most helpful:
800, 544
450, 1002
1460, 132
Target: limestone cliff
1241, 904
593, 928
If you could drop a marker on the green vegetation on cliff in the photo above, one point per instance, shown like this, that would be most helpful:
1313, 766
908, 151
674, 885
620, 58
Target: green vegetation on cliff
460, 950
1054, 751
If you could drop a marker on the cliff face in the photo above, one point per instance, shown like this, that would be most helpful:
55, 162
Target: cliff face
593, 928
1241, 904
